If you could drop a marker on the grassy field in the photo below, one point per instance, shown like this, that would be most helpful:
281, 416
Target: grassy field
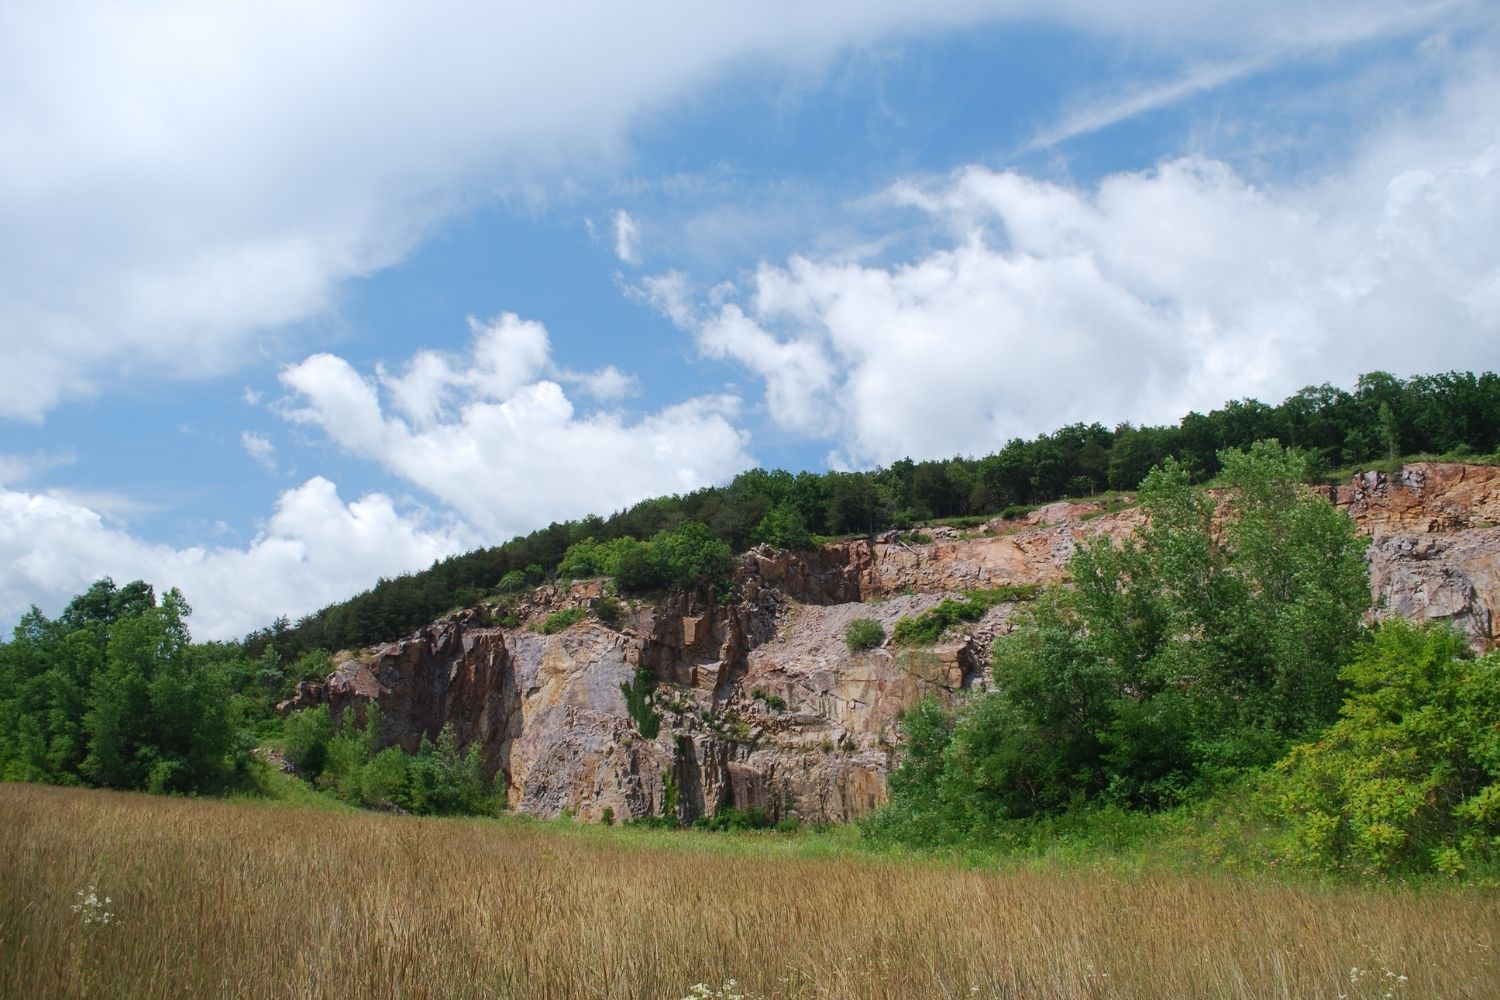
223, 899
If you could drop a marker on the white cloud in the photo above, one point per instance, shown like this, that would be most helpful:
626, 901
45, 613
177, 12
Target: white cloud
179, 179
1156, 292
314, 550
260, 448
627, 238
607, 384
491, 435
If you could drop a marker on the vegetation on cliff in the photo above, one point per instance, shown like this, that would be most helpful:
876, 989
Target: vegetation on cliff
1457, 414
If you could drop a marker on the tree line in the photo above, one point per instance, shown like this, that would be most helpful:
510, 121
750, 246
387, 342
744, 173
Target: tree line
1455, 414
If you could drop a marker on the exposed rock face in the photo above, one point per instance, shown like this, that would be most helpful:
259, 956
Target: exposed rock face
1435, 543
762, 704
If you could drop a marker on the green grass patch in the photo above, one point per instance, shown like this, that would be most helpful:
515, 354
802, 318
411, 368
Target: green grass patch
930, 626
564, 619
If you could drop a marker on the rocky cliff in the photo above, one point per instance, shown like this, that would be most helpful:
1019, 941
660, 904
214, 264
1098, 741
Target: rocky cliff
760, 702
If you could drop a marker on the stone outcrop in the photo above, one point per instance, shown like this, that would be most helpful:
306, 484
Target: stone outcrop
760, 702
1434, 543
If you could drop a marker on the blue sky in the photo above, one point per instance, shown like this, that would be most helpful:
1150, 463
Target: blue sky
295, 296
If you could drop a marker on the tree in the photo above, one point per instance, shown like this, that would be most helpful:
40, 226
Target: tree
1202, 646
783, 528
114, 693
1409, 777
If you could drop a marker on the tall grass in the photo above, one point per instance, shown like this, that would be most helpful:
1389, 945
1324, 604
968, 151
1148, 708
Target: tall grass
221, 899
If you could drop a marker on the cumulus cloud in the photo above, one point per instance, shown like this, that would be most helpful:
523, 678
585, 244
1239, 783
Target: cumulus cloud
315, 549
498, 439
1154, 292
179, 179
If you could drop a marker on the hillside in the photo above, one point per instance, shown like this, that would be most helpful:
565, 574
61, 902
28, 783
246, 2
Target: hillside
688, 706
1455, 415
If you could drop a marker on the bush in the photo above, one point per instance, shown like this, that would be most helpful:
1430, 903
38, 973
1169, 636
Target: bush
305, 738
862, 634
1409, 777
512, 582
774, 702
930, 626
732, 820
609, 611
638, 702
559, 621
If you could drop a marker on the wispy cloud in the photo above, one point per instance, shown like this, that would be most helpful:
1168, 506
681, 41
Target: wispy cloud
260, 448
1348, 28
1152, 98
627, 238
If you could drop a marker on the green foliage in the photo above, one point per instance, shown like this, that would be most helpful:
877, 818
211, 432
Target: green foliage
1408, 779
670, 797
930, 626
773, 702
1201, 647
113, 693
862, 634
730, 819
350, 763
783, 527
1437, 414
305, 738
688, 556
559, 621
609, 610
514, 581
589, 558
638, 702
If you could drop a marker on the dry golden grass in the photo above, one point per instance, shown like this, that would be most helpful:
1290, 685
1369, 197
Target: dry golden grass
245, 900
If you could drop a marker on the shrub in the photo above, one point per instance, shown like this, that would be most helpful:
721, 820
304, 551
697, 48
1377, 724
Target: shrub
607, 817
732, 820
928, 627
305, 738
1409, 777
512, 582
609, 611
638, 702
862, 634
561, 620
774, 702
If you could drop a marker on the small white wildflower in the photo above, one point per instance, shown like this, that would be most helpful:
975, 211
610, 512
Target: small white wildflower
91, 909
